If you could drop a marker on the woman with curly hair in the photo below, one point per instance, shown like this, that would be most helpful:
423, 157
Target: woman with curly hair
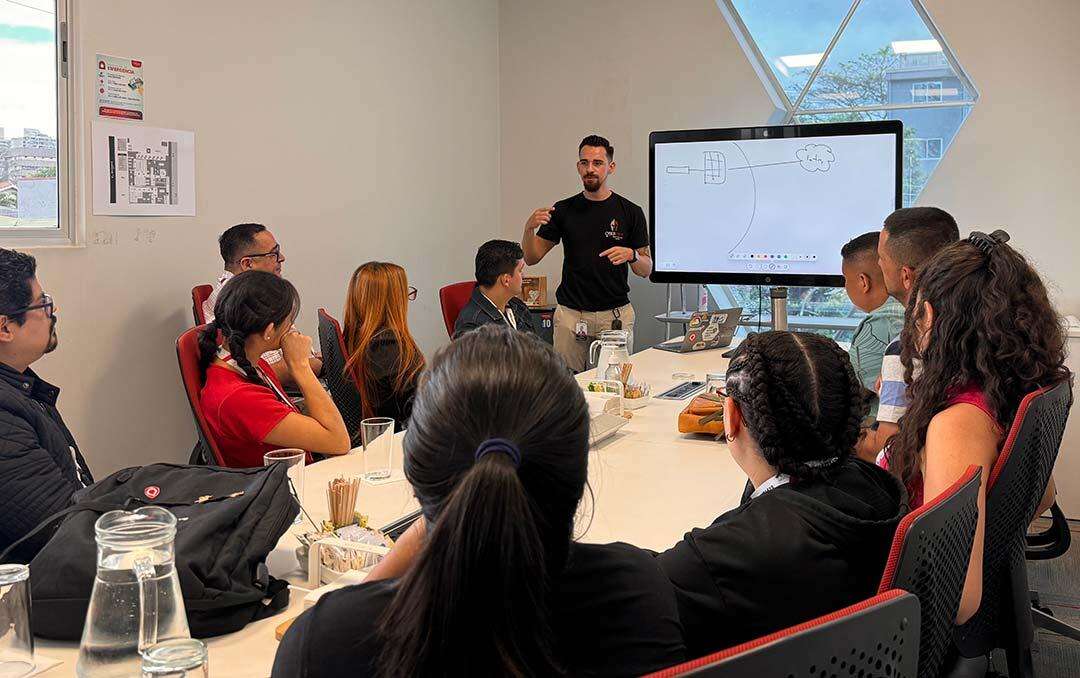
814, 528
979, 334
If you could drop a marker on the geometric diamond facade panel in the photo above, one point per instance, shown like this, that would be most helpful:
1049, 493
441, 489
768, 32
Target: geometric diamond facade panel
843, 60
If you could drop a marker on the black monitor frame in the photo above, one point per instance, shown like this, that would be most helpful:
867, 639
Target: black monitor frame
894, 127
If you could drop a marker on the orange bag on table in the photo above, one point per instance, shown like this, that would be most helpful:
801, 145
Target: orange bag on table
704, 414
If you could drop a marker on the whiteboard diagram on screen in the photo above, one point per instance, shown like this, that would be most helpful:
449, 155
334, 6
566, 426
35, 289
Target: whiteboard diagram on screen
715, 168
754, 203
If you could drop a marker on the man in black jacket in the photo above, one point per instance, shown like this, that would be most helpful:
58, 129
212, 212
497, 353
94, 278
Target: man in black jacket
40, 464
499, 264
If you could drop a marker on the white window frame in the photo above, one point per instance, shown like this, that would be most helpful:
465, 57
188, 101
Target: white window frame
940, 145
922, 147
69, 168
921, 92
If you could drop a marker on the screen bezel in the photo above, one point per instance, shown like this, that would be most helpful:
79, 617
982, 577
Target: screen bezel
894, 127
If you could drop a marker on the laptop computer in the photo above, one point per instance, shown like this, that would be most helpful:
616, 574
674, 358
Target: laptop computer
706, 330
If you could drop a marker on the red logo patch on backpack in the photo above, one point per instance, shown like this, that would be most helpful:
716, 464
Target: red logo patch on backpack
152, 492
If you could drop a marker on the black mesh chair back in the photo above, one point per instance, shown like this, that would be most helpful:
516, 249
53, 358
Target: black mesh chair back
342, 387
929, 557
877, 638
1015, 486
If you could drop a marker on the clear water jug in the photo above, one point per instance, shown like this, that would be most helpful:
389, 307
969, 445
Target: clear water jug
136, 601
612, 343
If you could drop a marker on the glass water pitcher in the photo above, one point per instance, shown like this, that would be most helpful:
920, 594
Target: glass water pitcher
136, 601
612, 343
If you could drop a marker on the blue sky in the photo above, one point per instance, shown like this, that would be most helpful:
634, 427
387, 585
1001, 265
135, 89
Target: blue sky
788, 27
28, 34
27, 66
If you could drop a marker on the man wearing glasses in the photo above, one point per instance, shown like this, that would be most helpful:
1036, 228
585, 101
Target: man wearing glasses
40, 464
247, 247
604, 235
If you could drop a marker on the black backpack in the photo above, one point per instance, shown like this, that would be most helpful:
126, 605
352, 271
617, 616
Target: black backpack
228, 520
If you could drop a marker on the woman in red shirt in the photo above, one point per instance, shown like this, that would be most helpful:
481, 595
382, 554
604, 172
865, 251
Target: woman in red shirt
981, 324
245, 406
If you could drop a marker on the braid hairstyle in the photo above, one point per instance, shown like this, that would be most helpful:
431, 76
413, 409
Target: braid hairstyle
208, 344
248, 303
801, 400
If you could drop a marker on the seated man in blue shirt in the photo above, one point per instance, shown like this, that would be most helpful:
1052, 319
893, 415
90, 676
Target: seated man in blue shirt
865, 286
40, 464
909, 238
499, 264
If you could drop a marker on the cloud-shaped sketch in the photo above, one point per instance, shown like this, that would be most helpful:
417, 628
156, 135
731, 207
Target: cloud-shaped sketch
815, 158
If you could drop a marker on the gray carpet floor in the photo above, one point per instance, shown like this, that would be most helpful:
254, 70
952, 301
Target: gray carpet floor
1058, 584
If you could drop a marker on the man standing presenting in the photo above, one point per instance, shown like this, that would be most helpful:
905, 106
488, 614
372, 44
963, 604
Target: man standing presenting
603, 234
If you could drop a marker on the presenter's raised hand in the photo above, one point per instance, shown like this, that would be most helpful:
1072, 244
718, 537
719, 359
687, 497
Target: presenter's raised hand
296, 349
618, 255
538, 218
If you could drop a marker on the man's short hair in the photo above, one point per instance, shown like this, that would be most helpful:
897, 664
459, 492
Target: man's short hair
237, 239
16, 272
598, 141
918, 233
861, 246
496, 257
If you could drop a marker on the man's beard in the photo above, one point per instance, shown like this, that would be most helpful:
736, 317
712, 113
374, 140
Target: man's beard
53, 339
591, 183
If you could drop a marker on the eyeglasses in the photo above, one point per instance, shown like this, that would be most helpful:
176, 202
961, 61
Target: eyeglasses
45, 303
276, 253
412, 293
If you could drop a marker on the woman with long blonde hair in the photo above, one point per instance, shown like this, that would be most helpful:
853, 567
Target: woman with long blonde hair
381, 354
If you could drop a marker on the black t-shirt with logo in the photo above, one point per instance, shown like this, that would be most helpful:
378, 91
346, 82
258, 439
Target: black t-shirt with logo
586, 228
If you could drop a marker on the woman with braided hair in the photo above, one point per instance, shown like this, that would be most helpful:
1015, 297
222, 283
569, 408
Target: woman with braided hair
814, 527
245, 406
979, 334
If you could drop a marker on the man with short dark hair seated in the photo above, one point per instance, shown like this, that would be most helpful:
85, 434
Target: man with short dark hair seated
40, 464
251, 247
499, 264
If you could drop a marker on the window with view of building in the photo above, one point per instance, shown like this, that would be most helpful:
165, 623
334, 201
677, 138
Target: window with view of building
926, 92
852, 60
927, 149
33, 122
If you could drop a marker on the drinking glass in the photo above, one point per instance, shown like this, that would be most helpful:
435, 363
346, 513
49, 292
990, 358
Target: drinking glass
294, 459
16, 642
378, 437
715, 381
180, 658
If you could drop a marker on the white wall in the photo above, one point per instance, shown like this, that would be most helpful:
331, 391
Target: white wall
386, 130
624, 68
620, 68
354, 130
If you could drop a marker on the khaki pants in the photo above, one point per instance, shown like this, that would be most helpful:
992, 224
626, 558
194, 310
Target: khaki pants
575, 351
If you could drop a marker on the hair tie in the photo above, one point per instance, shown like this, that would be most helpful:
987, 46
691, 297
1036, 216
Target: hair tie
500, 445
987, 243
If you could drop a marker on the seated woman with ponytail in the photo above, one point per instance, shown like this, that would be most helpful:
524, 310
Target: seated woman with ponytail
497, 454
244, 404
814, 528
981, 325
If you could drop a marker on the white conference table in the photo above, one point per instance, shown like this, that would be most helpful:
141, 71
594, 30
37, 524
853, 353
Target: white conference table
650, 484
